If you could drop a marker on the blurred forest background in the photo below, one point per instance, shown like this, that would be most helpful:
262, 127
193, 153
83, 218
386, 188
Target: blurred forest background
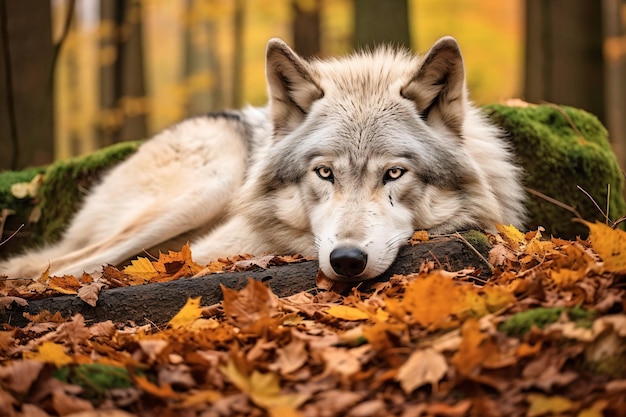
76, 75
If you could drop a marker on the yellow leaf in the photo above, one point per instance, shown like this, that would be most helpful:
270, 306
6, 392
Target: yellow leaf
264, 390
609, 244
141, 267
497, 298
188, 314
347, 313
50, 352
512, 236
567, 277
542, 405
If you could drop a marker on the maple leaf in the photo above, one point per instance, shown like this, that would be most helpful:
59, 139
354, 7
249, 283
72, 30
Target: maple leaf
188, 314
609, 244
141, 268
66, 284
251, 307
264, 390
424, 366
427, 300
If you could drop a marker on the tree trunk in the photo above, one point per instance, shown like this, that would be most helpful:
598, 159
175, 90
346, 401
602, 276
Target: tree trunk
306, 27
201, 66
564, 62
614, 23
379, 21
26, 109
122, 86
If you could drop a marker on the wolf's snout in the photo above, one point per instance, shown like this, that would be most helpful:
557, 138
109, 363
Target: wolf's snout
348, 262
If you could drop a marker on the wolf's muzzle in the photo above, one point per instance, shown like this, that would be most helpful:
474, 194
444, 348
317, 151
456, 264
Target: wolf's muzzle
348, 262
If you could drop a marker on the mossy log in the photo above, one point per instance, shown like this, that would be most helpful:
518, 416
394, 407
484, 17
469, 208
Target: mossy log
159, 302
566, 156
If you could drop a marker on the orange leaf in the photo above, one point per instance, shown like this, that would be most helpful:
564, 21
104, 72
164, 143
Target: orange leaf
475, 349
428, 300
66, 284
163, 391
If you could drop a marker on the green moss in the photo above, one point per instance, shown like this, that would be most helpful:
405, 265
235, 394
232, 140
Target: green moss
61, 192
561, 148
519, 324
66, 183
478, 240
95, 379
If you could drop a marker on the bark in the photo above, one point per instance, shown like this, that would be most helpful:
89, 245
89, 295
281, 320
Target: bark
381, 22
26, 118
159, 302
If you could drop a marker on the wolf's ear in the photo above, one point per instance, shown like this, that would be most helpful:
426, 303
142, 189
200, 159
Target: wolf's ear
292, 86
438, 87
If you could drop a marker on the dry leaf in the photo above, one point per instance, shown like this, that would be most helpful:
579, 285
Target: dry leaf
424, 366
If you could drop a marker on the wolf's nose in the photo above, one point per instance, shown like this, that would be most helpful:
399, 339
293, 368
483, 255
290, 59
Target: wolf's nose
348, 262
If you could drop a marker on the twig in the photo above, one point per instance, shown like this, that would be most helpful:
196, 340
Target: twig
12, 235
605, 215
480, 255
554, 201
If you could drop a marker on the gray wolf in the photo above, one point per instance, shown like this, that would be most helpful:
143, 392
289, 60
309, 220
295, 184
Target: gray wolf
349, 157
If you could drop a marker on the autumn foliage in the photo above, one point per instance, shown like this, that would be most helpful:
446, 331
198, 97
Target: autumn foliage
543, 336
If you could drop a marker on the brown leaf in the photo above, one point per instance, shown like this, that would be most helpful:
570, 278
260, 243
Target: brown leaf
424, 366
89, 293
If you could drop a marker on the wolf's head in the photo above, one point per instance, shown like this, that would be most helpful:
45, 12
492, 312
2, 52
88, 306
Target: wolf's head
371, 147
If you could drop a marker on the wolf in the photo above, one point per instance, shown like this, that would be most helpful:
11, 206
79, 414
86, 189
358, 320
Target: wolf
348, 158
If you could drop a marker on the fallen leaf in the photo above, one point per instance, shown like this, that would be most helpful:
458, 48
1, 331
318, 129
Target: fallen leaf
347, 313
66, 284
541, 405
50, 352
609, 244
264, 390
188, 314
89, 293
424, 366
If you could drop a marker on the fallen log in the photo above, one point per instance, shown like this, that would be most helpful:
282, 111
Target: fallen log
159, 302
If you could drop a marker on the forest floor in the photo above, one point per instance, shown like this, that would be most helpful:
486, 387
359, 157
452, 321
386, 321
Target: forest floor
544, 335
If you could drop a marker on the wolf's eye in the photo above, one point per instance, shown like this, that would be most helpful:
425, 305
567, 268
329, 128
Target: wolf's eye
325, 173
393, 174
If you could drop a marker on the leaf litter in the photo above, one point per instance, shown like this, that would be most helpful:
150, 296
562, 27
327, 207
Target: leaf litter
544, 336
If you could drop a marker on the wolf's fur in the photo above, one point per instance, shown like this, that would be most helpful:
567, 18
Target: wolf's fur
349, 157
